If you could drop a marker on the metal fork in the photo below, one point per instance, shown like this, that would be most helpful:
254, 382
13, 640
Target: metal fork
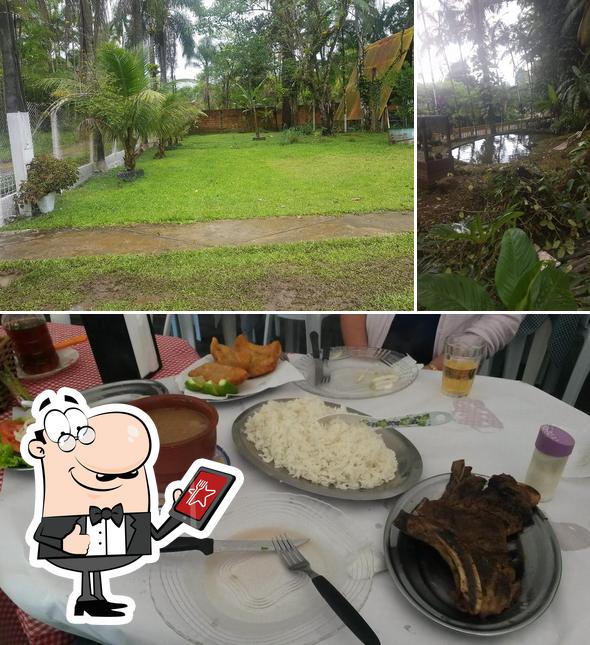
386, 357
381, 353
326, 377
295, 561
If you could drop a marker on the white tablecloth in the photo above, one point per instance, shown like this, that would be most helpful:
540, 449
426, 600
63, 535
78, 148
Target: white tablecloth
521, 409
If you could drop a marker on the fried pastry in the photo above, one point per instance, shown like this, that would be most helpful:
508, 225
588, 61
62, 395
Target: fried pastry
217, 372
263, 359
228, 355
257, 360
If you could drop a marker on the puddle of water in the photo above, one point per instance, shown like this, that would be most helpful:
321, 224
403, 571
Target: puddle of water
502, 148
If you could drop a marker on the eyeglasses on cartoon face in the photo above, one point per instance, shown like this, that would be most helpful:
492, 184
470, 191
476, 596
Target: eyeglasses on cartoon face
65, 428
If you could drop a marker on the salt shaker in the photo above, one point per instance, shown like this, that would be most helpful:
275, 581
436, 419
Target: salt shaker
552, 449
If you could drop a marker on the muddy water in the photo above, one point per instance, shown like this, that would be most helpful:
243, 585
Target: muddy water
502, 148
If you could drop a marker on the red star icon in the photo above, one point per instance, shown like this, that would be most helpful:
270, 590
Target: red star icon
200, 494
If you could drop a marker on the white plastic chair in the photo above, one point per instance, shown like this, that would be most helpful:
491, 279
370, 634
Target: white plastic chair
514, 354
582, 366
183, 326
313, 322
60, 318
229, 326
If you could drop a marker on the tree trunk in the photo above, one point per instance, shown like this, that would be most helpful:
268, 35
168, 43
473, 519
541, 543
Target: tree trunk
162, 55
360, 71
256, 128
14, 96
17, 116
435, 98
130, 155
479, 27
289, 85
100, 164
86, 33
136, 31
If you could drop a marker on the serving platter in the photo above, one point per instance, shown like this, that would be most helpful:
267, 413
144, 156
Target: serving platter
123, 391
408, 459
352, 371
426, 581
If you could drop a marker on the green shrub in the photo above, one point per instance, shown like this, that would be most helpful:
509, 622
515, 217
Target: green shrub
289, 136
45, 175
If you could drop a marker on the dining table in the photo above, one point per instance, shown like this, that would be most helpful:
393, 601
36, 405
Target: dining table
493, 430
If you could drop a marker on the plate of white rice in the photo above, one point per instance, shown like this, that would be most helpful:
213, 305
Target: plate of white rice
284, 439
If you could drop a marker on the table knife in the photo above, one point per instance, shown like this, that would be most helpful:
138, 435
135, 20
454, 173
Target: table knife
315, 352
208, 546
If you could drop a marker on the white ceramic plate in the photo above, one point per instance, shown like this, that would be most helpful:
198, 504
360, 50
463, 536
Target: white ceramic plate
285, 372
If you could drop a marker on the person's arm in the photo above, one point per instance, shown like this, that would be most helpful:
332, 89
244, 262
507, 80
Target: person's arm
167, 527
58, 542
494, 330
169, 524
354, 330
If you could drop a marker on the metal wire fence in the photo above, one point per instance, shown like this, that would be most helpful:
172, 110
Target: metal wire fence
7, 184
63, 138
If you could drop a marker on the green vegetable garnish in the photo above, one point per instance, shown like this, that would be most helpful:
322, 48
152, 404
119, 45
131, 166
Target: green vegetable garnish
9, 458
223, 388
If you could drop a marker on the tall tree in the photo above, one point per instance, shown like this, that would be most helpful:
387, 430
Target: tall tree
17, 116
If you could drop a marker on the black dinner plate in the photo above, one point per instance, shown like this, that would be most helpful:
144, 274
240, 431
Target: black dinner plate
424, 578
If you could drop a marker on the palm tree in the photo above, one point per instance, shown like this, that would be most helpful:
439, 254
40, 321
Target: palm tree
129, 108
205, 55
170, 21
428, 53
475, 14
117, 100
175, 115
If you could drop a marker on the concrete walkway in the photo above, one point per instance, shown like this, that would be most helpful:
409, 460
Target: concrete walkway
156, 238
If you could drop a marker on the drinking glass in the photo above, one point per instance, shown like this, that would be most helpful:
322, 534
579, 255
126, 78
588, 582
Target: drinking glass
462, 359
33, 346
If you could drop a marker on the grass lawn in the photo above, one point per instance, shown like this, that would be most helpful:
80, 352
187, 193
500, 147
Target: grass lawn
373, 273
229, 176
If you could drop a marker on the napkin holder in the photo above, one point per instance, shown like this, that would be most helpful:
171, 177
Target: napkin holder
124, 346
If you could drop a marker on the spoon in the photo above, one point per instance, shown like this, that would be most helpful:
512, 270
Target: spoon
423, 419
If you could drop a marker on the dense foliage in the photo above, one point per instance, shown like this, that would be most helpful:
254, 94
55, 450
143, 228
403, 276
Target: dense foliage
546, 50
46, 174
295, 51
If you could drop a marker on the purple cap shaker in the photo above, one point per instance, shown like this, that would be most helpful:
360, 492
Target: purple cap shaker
554, 441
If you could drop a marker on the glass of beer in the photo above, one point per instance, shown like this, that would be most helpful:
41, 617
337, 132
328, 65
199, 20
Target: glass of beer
462, 358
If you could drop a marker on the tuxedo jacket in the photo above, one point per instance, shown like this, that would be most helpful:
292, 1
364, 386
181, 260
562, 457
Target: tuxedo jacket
139, 532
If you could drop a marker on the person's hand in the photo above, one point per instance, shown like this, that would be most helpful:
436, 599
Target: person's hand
176, 494
436, 363
76, 542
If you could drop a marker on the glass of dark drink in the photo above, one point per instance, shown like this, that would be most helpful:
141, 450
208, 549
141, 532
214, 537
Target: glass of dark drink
33, 346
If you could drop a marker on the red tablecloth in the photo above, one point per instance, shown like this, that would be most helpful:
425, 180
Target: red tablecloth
17, 627
176, 354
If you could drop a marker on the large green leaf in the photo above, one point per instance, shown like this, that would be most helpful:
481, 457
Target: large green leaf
552, 291
516, 268
448, 292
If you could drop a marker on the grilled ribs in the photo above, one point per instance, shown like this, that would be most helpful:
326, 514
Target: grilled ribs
470, 526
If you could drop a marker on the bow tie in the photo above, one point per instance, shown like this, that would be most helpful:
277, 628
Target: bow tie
97, 514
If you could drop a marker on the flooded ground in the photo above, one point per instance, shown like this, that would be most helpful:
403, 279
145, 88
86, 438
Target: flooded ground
502, 148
